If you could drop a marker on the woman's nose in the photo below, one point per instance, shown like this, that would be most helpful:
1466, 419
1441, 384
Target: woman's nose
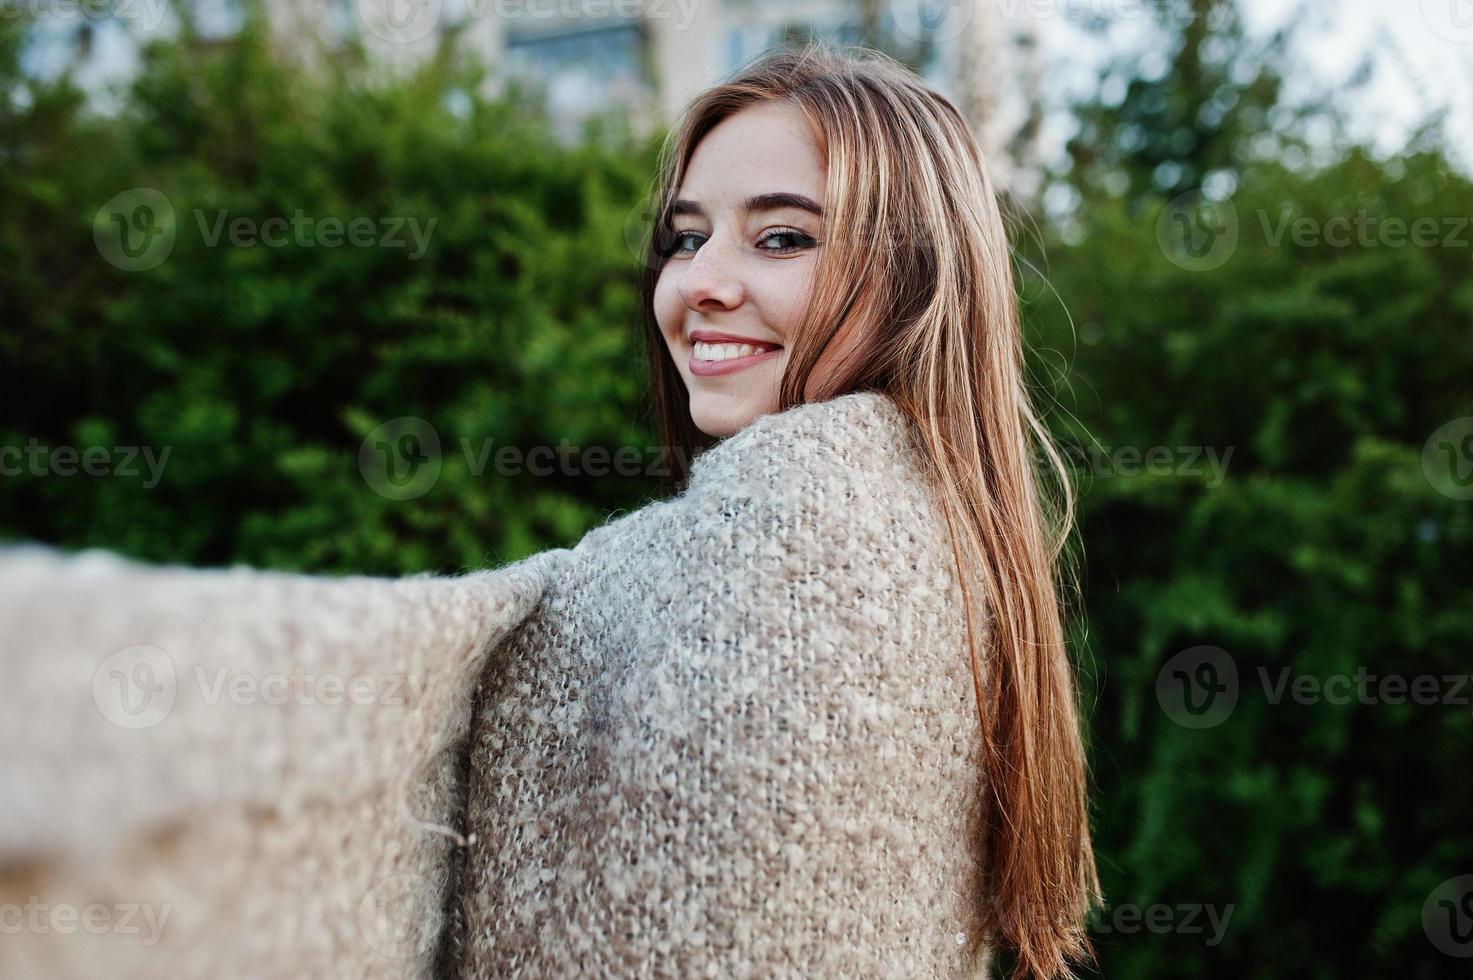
710, 281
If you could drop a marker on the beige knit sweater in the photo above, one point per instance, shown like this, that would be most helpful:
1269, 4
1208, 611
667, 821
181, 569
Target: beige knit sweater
729, 734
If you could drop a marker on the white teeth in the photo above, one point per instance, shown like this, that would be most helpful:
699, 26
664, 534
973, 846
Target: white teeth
723, 352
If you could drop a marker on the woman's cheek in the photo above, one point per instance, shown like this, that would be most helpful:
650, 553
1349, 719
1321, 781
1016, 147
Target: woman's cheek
668, 306
785, 293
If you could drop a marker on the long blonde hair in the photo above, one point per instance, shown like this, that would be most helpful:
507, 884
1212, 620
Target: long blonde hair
916, 260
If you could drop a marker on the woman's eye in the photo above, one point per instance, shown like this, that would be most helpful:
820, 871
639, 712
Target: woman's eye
785, 240
779, 241
686, 242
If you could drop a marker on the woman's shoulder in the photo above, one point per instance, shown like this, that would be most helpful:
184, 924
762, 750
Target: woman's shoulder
811, 533
851, 458
817, 455
829, 495
823, 497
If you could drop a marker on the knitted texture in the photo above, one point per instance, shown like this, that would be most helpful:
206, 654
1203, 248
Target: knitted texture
253, 798
729, 734
738, 736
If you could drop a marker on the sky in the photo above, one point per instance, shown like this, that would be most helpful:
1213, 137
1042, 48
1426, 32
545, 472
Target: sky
1421, 52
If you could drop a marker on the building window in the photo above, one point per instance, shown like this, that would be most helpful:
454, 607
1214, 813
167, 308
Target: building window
583, 71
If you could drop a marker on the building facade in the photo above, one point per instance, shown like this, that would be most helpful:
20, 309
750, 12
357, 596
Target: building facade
584, 58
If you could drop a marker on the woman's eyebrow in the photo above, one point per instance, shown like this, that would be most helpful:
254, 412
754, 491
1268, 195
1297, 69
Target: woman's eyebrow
758, 202
784, 199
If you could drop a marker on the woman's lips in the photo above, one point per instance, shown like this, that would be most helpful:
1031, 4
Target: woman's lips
708, 368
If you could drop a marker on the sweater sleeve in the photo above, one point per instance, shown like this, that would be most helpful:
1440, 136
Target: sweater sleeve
245, 764
824, 701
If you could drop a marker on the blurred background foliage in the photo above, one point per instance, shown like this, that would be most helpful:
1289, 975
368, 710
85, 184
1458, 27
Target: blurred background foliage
257, 365
1323, 548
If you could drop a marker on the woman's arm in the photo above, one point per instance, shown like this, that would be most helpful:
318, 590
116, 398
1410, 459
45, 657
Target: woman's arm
249, 761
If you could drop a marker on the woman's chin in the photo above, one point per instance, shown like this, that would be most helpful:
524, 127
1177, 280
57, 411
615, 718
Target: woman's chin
719, 416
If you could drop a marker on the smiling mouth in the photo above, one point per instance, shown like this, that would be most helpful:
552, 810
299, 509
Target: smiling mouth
713, 353
725, 352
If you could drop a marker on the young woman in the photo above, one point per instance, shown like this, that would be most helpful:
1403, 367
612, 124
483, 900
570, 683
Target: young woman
809, 716
827, 225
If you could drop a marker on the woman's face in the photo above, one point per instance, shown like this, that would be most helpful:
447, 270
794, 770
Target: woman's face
746, 226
